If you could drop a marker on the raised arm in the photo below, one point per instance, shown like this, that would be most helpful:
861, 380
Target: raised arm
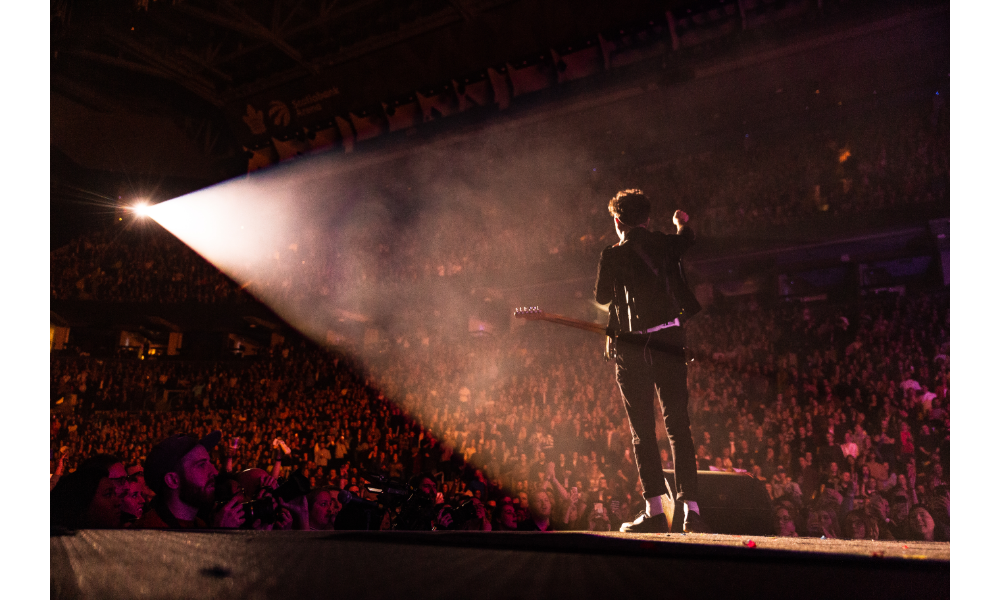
284, 449
550, 474
685, 234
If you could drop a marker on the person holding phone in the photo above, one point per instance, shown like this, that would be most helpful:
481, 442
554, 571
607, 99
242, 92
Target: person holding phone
598, 519
576, 508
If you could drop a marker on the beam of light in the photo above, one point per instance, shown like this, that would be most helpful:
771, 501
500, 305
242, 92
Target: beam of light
341, 248
141, 208
359, 258
236, 225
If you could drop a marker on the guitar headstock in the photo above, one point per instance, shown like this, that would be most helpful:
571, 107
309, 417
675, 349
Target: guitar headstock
530, 313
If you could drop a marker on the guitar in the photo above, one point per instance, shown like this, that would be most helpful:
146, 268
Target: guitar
534, 313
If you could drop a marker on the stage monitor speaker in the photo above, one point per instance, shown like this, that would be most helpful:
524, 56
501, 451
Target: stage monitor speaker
731, 503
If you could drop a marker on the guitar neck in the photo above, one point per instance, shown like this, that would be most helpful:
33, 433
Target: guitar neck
575, 323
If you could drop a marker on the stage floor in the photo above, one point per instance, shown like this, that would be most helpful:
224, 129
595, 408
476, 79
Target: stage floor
247, 564
938, 551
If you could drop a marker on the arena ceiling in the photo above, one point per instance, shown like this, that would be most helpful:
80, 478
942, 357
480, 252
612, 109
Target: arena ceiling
165, 86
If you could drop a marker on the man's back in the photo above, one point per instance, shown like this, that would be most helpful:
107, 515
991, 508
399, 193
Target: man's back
642, 277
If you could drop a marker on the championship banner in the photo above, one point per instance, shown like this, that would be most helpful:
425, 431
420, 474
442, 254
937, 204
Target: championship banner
284, 112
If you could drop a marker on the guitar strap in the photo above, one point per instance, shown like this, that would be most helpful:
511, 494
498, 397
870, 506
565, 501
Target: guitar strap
645, 258
646, 340
664, 281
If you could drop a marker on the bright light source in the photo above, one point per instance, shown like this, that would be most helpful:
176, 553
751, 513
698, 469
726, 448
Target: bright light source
141, 209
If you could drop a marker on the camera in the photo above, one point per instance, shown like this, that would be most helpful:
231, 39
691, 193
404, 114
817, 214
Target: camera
294, 487
357, 513
265, 509
461, 514
466, 511
262, 509
390, 490
417, 512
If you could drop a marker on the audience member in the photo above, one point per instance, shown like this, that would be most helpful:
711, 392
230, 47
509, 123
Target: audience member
180, 472
92, 496
540, 508
323, 508
505, 516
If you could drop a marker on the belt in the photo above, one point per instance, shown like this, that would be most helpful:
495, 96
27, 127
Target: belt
674, 323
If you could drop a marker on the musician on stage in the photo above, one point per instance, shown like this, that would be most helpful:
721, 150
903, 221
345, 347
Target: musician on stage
642, 278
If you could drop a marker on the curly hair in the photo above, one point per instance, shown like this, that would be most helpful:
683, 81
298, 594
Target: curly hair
631, 207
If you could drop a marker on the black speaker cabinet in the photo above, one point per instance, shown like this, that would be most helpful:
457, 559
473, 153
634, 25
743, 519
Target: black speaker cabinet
731, 503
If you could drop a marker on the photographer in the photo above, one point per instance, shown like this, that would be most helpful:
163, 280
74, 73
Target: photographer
479, 520
286, 511
470, 515
422, 510
360, 511
181, 473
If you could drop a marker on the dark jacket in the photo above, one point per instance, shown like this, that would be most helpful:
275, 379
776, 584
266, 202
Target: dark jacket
644, 281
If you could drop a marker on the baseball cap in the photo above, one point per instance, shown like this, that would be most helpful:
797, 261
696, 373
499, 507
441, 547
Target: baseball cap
165, 456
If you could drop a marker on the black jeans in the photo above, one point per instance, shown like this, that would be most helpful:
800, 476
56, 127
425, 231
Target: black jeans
649, 365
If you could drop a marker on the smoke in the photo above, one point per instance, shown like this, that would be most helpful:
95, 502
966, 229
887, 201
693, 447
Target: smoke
391, 255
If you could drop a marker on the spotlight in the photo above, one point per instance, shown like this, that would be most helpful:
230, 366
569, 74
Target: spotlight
141, 209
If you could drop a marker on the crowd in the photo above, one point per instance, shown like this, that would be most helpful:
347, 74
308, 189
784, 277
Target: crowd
144, 264
841, 412
853, 170
847, 172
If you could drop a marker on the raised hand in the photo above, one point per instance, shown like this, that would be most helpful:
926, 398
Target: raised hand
299, 509
680, 218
